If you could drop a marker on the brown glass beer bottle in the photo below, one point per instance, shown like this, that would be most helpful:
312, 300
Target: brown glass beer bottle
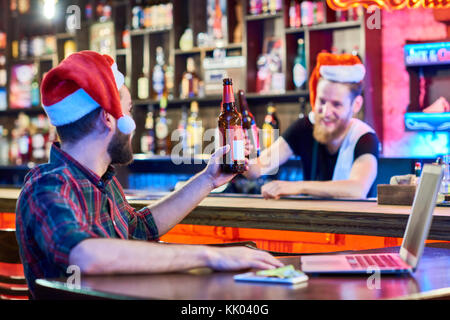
249, 124
231, 132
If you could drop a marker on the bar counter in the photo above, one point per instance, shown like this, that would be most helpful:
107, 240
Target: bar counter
363, 217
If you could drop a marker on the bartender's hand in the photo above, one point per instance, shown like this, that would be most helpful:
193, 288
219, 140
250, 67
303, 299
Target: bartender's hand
213, 171
277, 188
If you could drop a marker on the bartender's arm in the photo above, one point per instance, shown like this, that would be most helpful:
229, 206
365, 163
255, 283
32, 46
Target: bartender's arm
362, 176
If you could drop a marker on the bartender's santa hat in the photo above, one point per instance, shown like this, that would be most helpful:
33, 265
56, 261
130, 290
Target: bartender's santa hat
345, 68
81, 83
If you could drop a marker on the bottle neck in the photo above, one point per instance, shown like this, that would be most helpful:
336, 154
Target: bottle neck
227, 96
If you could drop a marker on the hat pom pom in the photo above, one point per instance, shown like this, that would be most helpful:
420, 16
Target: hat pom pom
126, 124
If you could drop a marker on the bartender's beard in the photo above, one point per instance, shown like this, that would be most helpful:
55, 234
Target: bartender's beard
119, 149
322, 135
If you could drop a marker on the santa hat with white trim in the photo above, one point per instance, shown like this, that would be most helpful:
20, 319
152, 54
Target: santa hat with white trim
81, 83
345, 68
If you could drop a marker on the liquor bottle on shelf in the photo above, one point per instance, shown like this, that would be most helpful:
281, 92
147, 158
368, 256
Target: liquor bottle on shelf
162, 130
107, 11
170, 81
319, 12
24, 140
189, 80
445, 187
307, 13
14, 157
3, 72
39, 139
148, 137
249, 125
158, 76
88, 11
35, 93
265, 6
255, 7
147, 16
217, 25
138, 15
182, 131
187, 40
295, 20
231, 132
99, 9
4, 146
299, 73
271, 124
126, 38
417, 171
194, 131
143, 85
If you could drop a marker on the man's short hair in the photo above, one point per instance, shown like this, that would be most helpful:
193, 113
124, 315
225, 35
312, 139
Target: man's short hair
355, 89
73, 132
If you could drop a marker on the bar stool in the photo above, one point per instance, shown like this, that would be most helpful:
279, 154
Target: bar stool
13, 285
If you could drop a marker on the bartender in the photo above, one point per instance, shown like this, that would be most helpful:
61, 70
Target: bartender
339, 153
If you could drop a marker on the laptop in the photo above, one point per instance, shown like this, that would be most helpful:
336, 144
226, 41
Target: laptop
416, 233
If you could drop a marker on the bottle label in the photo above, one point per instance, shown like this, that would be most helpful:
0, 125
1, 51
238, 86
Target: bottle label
238, 150
234, 136
161, 130
299, 75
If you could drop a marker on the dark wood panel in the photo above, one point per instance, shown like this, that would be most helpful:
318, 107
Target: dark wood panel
431, 279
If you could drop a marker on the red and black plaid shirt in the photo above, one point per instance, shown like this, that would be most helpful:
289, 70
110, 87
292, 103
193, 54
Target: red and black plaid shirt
63, 203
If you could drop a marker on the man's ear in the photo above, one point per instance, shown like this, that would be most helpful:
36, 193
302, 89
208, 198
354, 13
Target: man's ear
106, 120
357, 104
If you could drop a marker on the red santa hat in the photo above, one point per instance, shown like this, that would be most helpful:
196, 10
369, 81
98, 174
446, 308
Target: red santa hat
81, 83
345, 68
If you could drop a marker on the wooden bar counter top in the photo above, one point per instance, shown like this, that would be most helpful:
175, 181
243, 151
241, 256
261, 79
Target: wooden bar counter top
294, 214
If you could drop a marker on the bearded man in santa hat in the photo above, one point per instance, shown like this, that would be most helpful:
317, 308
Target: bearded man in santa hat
72, 210
339, 153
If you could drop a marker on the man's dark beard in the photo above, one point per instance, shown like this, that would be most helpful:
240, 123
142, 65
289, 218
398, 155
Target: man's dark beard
119, 149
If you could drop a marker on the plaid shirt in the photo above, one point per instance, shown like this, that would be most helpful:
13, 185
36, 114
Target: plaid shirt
63, 203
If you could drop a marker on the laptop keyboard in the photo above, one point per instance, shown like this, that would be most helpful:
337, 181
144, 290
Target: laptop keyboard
365, 261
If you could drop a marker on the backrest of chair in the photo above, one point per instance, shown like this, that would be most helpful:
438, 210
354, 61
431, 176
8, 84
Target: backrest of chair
12, 280
9, 248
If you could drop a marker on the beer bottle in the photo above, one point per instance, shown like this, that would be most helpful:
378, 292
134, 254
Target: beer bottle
271, 124
231, 132
249, 124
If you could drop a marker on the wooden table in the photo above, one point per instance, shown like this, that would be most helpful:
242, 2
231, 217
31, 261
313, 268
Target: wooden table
329, 216
431, 280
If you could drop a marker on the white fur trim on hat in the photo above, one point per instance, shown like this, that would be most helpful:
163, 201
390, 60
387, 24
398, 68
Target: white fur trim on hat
71, 108
126, 124
343, 73
118, 76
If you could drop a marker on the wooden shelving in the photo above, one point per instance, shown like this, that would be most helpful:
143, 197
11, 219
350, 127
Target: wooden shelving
325, 26
263, 16
256, 29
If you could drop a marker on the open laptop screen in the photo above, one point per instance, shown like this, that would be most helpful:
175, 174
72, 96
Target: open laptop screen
424, 202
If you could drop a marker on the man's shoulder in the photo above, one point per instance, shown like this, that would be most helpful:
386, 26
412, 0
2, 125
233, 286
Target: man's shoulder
45, 176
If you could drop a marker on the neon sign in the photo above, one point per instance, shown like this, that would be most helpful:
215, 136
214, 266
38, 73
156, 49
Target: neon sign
388, 4
425, 54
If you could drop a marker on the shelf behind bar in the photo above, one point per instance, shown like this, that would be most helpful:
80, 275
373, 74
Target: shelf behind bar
288, 96
263, 16
140, 32
206, 49
326, 26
